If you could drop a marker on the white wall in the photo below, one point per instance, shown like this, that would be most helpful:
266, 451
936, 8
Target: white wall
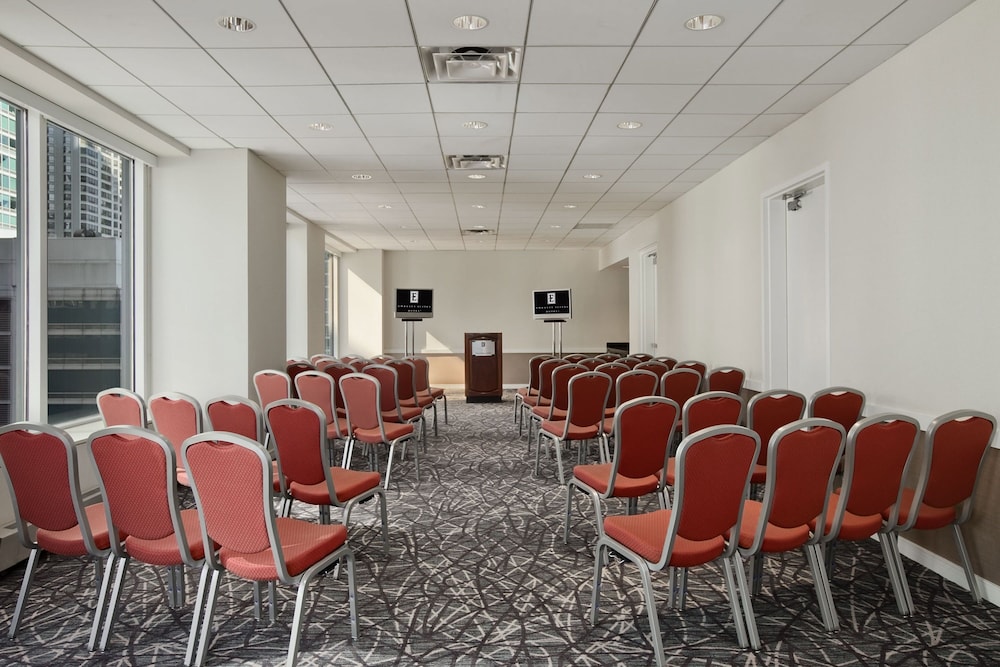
217, 271
361, 303
304, 319
491, 291
913, 151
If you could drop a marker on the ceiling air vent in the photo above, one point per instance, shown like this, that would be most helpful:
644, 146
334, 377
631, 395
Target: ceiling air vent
466, 64
478, 231
475, 161
594, 225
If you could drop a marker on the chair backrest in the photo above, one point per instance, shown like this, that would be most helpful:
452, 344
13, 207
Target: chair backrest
321, 358
657, 367
631, 362
299, 431
406, 384
726, 378
877, 457
956, 444
770, 410
317, 388
713, 408
635, 383
574, 358
296, 366
337, 370
693, 364
560, 385
641, 356
175, 416
802, 460
712, 471
590, 363
235, 414
389, 381
362, 398
587, 393
843, 405
232, 482
644, 428
136, 470
669, 361
421, 373
121, 407
358, 364
271, 385
614, 371
545, 370
608, 357
680, 384
40, 465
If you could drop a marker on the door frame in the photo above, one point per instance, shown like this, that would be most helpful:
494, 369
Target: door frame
775, 274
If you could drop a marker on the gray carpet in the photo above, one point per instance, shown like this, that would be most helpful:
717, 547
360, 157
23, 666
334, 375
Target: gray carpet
477, 574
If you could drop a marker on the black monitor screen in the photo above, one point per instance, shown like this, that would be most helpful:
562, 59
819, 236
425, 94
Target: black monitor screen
417, 304
552, 304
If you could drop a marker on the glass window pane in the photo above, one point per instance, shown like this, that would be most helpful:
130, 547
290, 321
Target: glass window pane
11, 262
89, 215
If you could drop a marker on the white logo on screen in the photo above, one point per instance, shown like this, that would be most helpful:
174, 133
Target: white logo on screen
550, 298
414, 296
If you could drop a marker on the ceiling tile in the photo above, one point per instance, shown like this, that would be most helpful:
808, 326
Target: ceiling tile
735, 99
321, 101
638, 98
368, 23
271, 67
432, 21
773, 64
171, 67
565, 97
853, 62
548, 124
401, 98
673, 64
88, 66
273, 28
802, 99
911, 20
570, 64
229, 127
139, 100
665, 26
602, 145
737, 145
299, 126
683, 145
767, 124
140, 23
179, 125
25, 24
397, 125
833, 23
452, 124
472, 145
706, 125
473, 97
575, 22
544, 145
372, 65
216, 100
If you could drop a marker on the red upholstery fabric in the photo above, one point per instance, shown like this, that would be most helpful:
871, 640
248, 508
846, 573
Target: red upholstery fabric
69, 541
958, 450
318, 390
928, 516
272, 386
233, 418
175, 419
645, 535
120, 410
880, 454
713, 411
392, 432
715, 480
842, 407
726, 379
361, 399
297, 436
644, 437
776, 538
303, 544
39, 473
347, 484
771, 413
680, 386
853, 527
804, 465
164, 551
598, 475
135, 484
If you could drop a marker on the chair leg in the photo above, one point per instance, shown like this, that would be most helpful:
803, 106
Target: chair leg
435, 407
22, 598
963, 554
104, 571
600, 551
199, 606
111, 615
739, 602
206, 624
445, 399
654, 621
897, 564
890, 567
823, 594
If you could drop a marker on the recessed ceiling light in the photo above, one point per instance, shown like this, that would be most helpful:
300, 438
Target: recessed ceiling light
470, 22
478, 206
555, 226
320, 127
592, 177
361, 177
475, 125
479, 226
477, 177
703, 22
569, 205
385, 205
236, 23
629, 125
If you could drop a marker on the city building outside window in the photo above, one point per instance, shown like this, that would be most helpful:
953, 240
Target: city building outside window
12, 250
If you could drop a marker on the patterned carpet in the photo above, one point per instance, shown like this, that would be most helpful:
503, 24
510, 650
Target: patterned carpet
478, 574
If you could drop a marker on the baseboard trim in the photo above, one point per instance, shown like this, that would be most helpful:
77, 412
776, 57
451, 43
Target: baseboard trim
951, 571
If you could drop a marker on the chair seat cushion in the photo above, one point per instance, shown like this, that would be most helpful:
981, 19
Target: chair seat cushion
759, 474
645, 533
373, 436
69, 542
164, 551
347, 484
776, 538
598, 475
556, 427
927, 517
304, 543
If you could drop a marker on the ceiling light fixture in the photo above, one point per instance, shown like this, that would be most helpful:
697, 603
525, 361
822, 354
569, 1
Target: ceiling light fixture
320, 127
569, 205
236, 23
470, 22
592, 177
478, 206
475, 125
477, 177
629, 125
703, 22
361, 177
555, 226
385, 205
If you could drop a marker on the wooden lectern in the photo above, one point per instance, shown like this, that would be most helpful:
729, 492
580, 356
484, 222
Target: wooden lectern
483, 367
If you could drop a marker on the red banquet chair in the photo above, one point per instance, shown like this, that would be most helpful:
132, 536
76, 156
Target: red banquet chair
587, 395
766, 413
843, 405
366, 424
231, 479
644, 428
122, 407
713, 476
136, 470
39, 463
725, 378
176, 417
954, 449
422, 376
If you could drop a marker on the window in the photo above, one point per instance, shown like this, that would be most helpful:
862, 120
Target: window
89, 273
330, 265
11, 266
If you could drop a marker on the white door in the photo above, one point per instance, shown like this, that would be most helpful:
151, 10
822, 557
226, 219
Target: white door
807, 292
647, 311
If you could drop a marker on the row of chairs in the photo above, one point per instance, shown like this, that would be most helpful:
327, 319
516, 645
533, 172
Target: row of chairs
714, 516
234, 527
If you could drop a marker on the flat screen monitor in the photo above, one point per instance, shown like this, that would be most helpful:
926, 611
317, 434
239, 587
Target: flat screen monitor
552, 304
415, 304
